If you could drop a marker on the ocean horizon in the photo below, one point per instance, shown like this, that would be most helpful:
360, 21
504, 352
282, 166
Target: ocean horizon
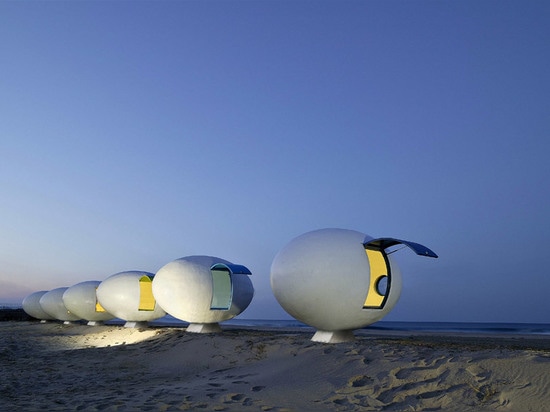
504, 328
455, 327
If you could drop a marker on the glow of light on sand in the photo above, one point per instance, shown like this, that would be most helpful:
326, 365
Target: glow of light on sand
106, 336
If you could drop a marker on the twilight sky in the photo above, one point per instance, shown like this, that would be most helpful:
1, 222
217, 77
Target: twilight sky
135, 133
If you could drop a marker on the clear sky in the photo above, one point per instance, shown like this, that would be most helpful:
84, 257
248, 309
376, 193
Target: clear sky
135, 133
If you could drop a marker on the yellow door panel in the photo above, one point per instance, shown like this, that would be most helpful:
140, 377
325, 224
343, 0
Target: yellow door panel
98, 307
378, 270
146, 298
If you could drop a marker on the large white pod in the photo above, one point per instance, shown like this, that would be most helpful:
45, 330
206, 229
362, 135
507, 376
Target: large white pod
129, 296
31, 305
81, 299
337, 280
203, 290
52, 304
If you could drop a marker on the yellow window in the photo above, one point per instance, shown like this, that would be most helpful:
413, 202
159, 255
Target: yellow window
146, 298
378, 271
98, 307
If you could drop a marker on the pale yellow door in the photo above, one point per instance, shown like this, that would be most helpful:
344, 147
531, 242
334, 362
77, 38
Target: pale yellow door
378, 271
146, 298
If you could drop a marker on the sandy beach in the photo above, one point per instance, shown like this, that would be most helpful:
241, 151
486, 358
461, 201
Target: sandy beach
58, 367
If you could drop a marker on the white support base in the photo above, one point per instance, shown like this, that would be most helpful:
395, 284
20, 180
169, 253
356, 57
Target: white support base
204, 328
68, 322
94, 323
134, 324
335, 336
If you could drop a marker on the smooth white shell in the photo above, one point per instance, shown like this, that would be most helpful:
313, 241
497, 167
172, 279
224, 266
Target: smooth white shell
322, 278
81, 300
184, 289
31, 305
52, 304
119, 294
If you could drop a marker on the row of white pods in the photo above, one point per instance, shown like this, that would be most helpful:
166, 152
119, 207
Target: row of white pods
201, 290
335, 280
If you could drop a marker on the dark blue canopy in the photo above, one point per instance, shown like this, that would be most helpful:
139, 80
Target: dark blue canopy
386, 242
233, 269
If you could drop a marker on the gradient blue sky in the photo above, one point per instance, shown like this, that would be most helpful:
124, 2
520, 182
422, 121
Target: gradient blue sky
135, 133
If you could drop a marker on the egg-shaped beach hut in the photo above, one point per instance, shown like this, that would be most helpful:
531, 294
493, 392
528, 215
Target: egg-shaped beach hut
203, 290
81, 299
338, 280
52, 303
31, 306
129, 296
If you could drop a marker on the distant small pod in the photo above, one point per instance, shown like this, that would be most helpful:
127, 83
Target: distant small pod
52, 303
128, 296
31, 306
203, 289
81, 299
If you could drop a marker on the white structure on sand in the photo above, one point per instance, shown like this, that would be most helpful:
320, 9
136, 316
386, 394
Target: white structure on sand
52, 304
203, 290
338, 280
31, 306
128, 296
81, 299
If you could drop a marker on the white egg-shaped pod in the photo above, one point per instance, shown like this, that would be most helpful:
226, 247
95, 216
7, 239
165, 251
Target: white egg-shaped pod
323, 278
129, 296
52, 303
203, 290
81, 299
32, 307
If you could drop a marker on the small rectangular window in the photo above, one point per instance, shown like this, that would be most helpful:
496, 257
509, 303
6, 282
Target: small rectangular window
146, 298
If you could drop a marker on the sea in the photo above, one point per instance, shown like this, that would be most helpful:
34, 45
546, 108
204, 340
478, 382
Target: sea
442, 327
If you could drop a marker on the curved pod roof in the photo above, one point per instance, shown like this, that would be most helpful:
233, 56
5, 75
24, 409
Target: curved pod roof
203, 289
322, 278
52, 303
128, 296
81, 299
31, 306
338, 280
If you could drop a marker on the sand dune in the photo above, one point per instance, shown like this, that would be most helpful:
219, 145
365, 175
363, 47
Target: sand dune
75, 367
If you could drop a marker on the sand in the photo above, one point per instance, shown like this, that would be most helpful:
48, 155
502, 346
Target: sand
58, 367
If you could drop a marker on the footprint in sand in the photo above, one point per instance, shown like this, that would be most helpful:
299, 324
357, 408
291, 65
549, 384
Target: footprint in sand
340, 401
478, 373
222, 370
360, 381
234, 397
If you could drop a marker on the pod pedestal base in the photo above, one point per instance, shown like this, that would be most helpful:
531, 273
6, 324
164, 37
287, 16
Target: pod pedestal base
333, 336
204, 328
136, 324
